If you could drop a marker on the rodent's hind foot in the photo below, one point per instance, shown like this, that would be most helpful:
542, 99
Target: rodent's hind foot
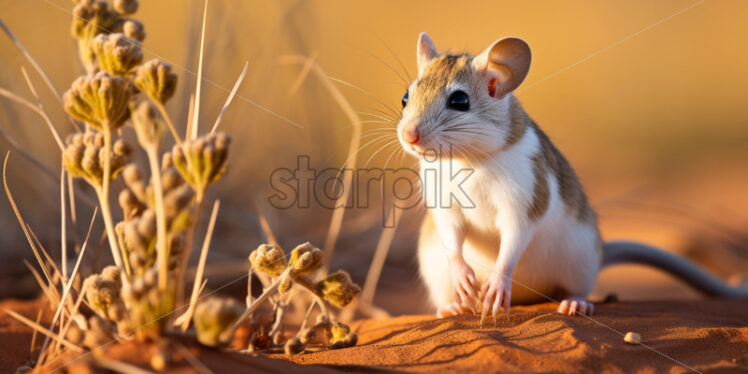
453, 309
576, 306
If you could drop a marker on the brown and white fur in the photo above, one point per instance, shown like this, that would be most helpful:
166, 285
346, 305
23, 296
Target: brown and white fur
531, 233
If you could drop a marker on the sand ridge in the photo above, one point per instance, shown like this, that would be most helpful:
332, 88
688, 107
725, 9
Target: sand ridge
707, 335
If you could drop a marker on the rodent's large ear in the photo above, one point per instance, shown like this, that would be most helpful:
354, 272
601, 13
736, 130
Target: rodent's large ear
425, 50
506, 62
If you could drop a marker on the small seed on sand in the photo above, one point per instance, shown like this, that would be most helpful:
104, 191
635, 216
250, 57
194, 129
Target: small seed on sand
632, 338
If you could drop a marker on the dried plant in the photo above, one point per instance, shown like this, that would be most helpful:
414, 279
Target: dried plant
336, 289
161, 204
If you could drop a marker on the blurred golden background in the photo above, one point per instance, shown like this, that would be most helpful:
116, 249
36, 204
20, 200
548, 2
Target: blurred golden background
646, 99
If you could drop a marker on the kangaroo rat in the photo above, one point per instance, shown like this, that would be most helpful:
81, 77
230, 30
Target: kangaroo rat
530, 222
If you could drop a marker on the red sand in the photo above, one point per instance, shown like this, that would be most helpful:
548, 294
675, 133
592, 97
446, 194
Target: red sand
705, 335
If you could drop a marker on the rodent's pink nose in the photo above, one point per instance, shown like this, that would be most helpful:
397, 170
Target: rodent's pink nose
410, 136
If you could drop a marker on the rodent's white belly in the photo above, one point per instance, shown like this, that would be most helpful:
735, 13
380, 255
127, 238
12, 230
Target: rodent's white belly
561, 259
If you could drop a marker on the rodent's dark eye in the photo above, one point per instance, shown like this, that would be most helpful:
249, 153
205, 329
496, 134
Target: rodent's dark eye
459, 101
405, 99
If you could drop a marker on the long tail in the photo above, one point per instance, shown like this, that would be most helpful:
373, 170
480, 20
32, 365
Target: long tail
695, 276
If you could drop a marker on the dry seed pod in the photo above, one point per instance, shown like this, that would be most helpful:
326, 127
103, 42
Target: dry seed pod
130, 204
126, 6
131, 174
112, 273
338, 288
294, 346
90, 161
100, 100
91, 18
138, 260
341, 336
322, 324
147, 125
134, 181
75, 335
134, 241
120, 148
202, 161
170, 179
176, 243
339, 331
150, 277
133, 29
117, 54
177, 201
213, 320
117, 312
147, 224
74, 139
166, 161
156, 79
305, 259
103, 294
158, 361
268, 259
73, 157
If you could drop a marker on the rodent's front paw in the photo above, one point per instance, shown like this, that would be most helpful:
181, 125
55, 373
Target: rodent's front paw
464, 285
497, 293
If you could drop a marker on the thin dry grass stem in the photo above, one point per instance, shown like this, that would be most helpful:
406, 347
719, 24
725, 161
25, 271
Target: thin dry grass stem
33, 335
380, 254
63, 227
196, 115
69, 284
337, 217
192, 360
230, 98
43, 330
158, 197
38, 110
64, 329
63, 235
190, 115
52, 263
200, 268
53, 299
71, 197
119, 366
172, 129
103, 195
21, 221
185, 256
305, 69
31, 86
